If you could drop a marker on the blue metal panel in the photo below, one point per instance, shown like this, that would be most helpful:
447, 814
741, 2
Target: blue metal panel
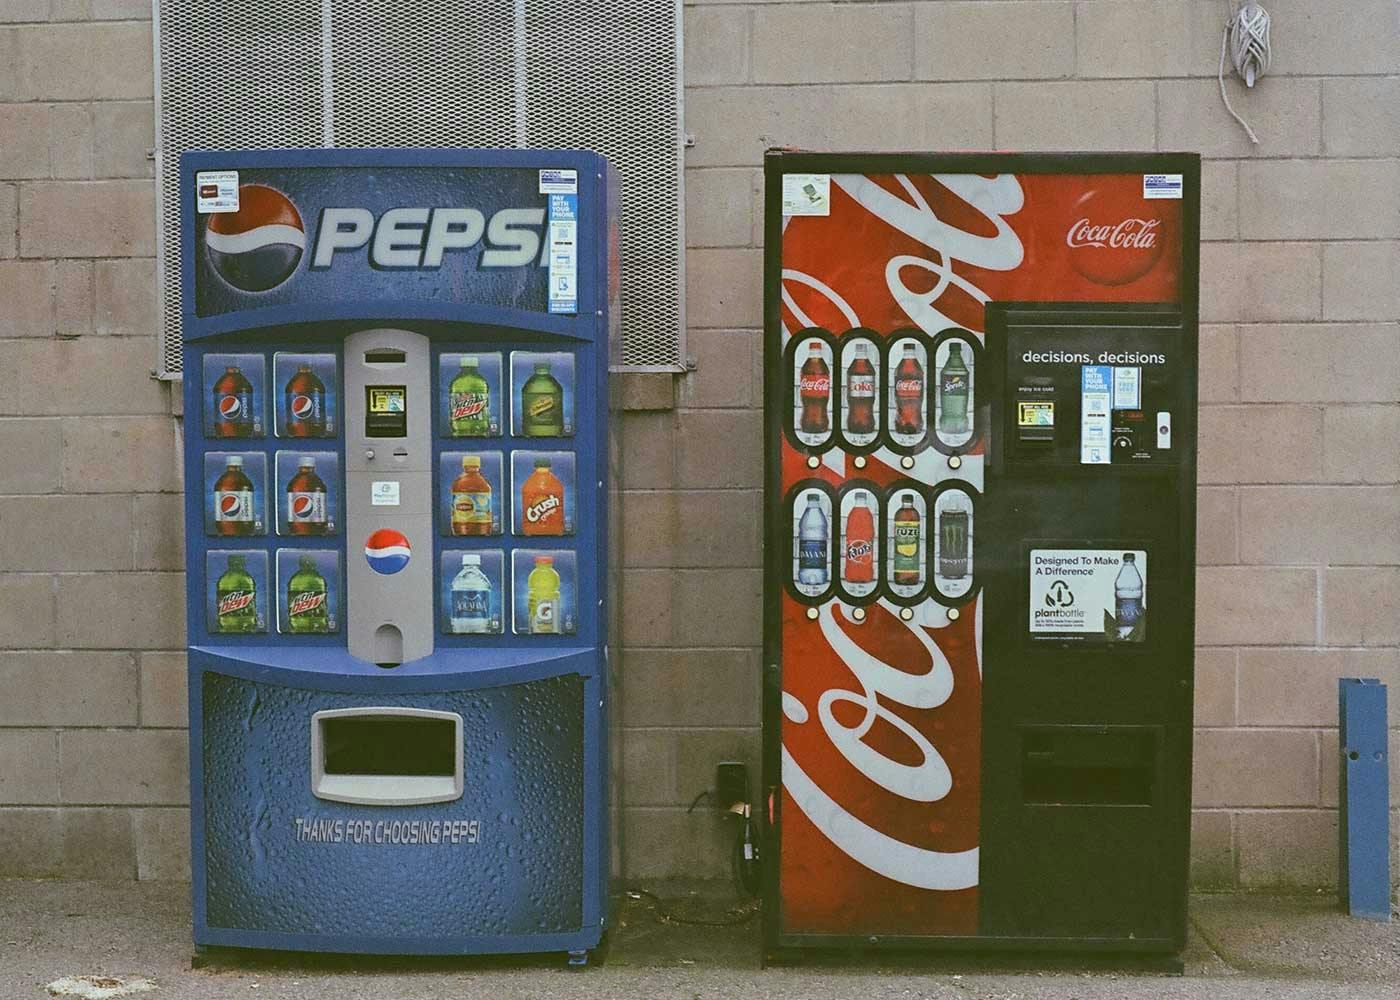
1364, 823
535, 706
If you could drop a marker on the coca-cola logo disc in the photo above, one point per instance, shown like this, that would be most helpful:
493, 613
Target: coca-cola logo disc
1113, 235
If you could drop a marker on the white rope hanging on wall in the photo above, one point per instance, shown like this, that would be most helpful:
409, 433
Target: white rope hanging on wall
1246, 41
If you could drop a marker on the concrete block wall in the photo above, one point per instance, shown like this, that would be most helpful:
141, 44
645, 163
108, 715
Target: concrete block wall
1300, 507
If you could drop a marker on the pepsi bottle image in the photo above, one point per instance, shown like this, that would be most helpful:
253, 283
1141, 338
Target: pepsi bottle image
307, 507
233, 404
233, 500
305, 400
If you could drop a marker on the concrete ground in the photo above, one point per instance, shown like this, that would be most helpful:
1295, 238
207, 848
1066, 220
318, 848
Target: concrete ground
1241, 947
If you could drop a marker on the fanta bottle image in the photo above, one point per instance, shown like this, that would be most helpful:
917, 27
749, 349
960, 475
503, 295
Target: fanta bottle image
858, 566
542, 502
544, 597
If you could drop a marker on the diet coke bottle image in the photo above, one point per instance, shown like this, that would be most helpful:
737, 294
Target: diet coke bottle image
233, 405
909, 394
307, 507
814, 391
812, 537
233, 500
860, 392
305, 402
858, 559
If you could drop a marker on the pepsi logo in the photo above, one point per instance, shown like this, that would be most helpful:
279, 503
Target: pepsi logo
302, 506
259, 246
230, 407
230, 505
303, 407
387, 551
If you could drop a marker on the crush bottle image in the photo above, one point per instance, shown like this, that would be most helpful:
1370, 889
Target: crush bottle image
471, 598
469, 401
236, 596
542, 404
813, 534
860, 393
953, 541
233, 500
305, 400
542, 502
307, 506
1127, 596
233, 404
814, 389
908, 529
909, 394
471, 500
858, 564
544, 597
953, 385
308, 609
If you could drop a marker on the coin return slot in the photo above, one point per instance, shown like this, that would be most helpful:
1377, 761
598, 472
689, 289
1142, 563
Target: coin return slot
386, 756
1085, 766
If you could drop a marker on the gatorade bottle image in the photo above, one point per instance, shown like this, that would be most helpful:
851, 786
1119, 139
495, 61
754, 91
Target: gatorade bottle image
469, 401
1127, 597
812, 535
307, 507
542, 404
858, 563
543, 587
233, 500
953, 384
860, 393
308, 608
236, 598
814, 390
909, 394
471, 499
542, 502
907, 531
471, 598
233, 404
305, 400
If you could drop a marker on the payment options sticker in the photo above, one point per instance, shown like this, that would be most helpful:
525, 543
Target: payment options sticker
1074, 594
806, 194
215, 191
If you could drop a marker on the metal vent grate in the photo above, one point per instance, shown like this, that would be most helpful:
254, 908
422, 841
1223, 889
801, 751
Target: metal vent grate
598, 74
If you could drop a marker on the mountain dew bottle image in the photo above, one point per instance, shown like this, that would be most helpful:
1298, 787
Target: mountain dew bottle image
544, 597
542, 404
236, 596
469, 401
307, 601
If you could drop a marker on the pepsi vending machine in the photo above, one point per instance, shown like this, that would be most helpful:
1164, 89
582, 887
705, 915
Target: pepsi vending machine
396, 465
981, 474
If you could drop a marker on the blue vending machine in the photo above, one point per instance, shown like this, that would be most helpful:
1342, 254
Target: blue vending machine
396, 474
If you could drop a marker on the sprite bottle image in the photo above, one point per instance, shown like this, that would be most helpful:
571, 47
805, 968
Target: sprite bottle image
542, 404
307, 601
236, 596
953, 384
469, 401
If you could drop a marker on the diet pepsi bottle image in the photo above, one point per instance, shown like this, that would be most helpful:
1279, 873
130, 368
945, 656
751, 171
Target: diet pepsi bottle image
812, 538
233, 500
1127, 597
305, 402
233, 404
307, 507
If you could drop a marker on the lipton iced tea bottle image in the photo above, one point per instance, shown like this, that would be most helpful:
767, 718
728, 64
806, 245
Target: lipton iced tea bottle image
471, 500
469, 401
542, 404
542, 502
543, 595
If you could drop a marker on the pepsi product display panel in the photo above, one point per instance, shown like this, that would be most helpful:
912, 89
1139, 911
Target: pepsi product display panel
397, 562
980, 580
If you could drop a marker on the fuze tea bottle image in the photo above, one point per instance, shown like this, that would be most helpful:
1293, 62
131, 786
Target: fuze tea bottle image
953, 384
471, 500
544, 595
542, 404
469, 401
307, 600
907, 532
236, 598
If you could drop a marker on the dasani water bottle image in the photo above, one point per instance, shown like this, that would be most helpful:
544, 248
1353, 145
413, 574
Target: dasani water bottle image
1127, 595
812, 537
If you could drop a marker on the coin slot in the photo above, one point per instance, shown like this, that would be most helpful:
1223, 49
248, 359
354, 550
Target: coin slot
385, 356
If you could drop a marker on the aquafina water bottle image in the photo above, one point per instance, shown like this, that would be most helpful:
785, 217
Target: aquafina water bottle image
1127, 595
812, 535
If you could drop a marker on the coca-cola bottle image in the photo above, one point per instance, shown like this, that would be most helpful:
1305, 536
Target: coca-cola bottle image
305, 399
858, 566
860, 393
233, 500
909, 394
907, 532
233, 404
307, 512
814, 389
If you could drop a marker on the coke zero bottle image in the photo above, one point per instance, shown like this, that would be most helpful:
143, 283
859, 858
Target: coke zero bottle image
233, 500
812, 535
860, 393
814, 389
953, 384
909, 394
233, 404
236, 598
307, 507
907, 532
308, 608
858, 566
305, 400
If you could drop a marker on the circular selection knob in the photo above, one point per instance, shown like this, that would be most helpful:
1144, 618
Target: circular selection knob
907, 462
907, 614
812, 613
858, 615
860, 461
954, 461
369, 454
813, 461
953, 614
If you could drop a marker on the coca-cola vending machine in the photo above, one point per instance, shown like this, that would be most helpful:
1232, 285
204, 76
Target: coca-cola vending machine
980, 560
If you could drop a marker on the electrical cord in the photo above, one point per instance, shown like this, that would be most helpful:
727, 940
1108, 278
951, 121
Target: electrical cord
1246, 41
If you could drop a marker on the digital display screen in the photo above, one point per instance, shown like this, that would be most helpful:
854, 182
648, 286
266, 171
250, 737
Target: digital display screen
386, 411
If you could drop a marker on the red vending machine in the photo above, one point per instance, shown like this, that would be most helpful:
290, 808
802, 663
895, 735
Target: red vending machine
980, 559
